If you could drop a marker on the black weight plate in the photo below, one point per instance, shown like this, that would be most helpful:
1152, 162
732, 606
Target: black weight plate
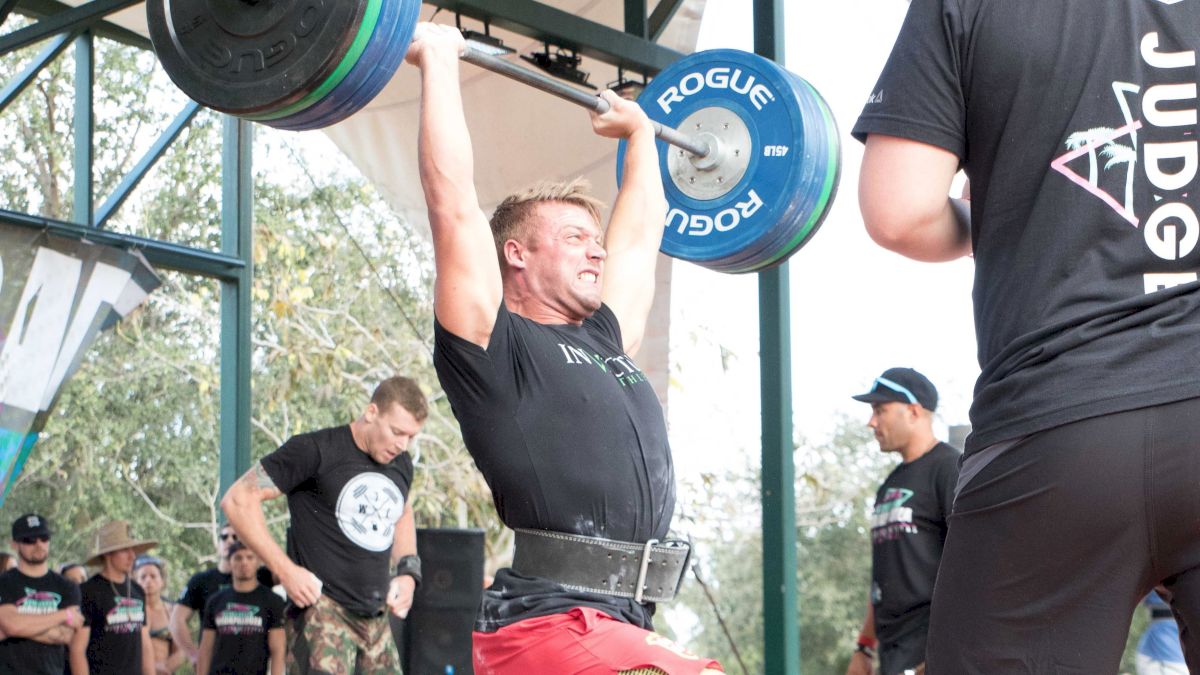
240, 57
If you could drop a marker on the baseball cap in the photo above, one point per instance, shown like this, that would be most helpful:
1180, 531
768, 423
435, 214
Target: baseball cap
903, 385
30, 525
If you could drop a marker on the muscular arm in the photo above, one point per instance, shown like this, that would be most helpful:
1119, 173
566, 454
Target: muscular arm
243, 506
903, 190
181, 635
277, 643
28, 625
859, 663
636, 227
77, 651
404, 542
467, 289
208, 640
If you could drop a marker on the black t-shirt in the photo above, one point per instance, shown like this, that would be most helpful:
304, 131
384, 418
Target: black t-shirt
32, 596
570, 437
344, 508
204, 584
908, 530
1076, 123
241, 622
115, 613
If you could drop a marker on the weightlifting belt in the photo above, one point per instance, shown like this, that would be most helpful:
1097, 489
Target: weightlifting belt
649, 572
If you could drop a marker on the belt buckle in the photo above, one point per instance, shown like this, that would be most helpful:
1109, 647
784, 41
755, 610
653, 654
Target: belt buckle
641, 580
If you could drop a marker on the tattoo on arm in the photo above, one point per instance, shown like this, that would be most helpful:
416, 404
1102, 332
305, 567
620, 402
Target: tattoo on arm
261, 479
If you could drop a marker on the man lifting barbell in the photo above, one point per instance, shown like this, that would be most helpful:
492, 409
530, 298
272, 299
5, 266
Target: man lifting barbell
535, 318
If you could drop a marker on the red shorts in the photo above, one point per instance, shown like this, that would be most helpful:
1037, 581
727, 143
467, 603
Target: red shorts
583, 641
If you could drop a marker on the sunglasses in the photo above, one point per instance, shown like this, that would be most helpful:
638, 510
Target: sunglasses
33, 540
228, 536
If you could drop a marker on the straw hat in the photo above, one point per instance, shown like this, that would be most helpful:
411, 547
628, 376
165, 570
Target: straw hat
115, 536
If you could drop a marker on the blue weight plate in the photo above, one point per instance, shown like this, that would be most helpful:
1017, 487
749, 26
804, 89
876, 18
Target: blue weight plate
374, 69
822, 165
762, 95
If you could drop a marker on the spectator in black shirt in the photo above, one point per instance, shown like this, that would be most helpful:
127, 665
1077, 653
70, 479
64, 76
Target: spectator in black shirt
73, 572
39, 609
243, 624
114, 639
908, 526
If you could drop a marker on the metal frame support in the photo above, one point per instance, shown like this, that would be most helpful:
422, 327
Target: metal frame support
237, 211
548, 24
663, 12
85, 79
82, 16
781, 629
635, 18
139, 171
26, 77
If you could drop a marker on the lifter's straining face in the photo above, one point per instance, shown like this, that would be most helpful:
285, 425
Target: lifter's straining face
389, 433
565, 260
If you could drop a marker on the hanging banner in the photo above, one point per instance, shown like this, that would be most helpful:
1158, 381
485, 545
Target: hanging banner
56, 296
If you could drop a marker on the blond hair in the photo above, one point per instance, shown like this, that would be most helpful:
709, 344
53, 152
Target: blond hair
512, 217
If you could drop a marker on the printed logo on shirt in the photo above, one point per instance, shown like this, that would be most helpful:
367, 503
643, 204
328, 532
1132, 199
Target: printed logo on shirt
621, 367
367, 510
891, 517
875, 97
38, 602
127, 617
1106, 161
239, 619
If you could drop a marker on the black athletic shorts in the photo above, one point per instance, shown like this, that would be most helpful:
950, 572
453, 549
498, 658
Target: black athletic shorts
1057, 538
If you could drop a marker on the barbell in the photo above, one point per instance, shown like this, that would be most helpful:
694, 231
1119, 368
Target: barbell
750, 155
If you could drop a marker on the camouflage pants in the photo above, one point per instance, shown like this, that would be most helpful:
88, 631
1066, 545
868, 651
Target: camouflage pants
327, 640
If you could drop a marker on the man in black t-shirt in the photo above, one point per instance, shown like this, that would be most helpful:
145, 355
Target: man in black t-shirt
200, 587
908, 526
39, 609
243, 623
115, 637
536, 316
1076, 124
351, 520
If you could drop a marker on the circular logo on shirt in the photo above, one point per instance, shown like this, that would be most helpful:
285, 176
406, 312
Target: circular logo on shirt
367, 510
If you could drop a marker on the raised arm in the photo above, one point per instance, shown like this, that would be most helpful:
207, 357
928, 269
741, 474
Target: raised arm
243, 506
635, 229
903, 192
467, 289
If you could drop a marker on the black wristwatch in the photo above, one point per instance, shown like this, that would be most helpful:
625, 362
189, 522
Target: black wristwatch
409, 565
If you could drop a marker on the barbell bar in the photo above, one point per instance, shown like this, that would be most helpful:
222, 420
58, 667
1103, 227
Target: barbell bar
751, 155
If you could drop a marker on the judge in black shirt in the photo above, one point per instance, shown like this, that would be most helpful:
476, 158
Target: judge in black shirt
1075, 122
242, 624
352, 545
537, 314
908, 526
39, 609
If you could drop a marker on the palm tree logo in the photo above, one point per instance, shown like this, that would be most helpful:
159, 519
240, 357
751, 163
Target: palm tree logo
1098, 142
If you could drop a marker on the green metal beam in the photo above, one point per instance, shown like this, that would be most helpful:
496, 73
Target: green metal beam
104, 29
85, 76
156, 151
237, 210
82, 16
548, 24
159, 253
663, 12
780, 605
635, 18
26, 77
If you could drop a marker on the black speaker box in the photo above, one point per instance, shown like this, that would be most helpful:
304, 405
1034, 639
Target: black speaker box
436, 638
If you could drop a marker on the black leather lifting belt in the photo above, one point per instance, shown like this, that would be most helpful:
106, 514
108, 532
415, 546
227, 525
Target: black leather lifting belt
649, 572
